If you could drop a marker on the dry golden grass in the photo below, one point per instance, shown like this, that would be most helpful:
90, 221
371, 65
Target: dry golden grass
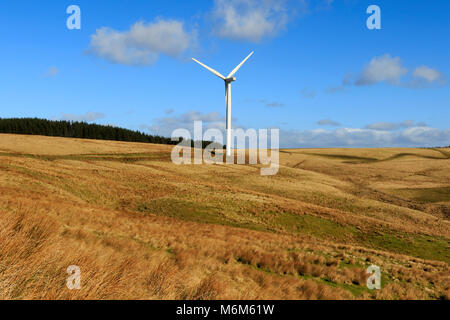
140, 227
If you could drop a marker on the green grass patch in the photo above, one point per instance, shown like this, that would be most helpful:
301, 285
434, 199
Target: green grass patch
316, 226
420, 246
427, 195
405, 154
355, 289
192, 211
348, 158
181, 209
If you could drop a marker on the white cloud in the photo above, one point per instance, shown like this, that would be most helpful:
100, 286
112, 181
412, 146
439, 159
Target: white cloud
165, 126
273, 104
269, 103
382, 126
347, 81
52, 71
385, 68
87, 117
426, 73
328, 122
409, 123
249, 20
394, 125
390, 125
307, 93
390, 70
142, 43
350, 137
334, 89
406, 133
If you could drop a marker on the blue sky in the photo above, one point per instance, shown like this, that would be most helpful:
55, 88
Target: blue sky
318, 73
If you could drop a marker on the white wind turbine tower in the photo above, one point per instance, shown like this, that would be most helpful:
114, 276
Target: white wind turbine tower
228, 80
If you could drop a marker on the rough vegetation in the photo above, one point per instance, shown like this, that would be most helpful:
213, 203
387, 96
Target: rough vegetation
141, 227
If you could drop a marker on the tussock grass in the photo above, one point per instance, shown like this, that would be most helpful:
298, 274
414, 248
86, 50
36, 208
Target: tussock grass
140, 227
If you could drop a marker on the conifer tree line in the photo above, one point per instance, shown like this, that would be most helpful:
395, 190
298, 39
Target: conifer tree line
82, 130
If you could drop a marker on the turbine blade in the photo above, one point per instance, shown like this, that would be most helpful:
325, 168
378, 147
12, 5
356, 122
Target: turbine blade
240, 65
210, 69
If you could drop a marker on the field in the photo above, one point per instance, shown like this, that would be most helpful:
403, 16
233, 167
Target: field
141, 227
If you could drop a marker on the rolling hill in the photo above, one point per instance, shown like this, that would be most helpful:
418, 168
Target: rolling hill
141, 227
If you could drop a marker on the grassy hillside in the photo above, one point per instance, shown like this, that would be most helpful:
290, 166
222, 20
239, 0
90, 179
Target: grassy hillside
141, 227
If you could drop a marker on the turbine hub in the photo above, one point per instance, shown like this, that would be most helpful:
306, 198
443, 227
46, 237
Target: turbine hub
230, 79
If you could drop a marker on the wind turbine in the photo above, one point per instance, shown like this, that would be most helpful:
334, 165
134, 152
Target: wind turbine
228, 80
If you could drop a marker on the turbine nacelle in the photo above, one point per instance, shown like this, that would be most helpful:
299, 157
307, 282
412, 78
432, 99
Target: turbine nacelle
229, 80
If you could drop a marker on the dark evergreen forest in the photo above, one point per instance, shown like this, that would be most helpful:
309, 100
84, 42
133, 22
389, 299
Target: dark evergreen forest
83, 130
